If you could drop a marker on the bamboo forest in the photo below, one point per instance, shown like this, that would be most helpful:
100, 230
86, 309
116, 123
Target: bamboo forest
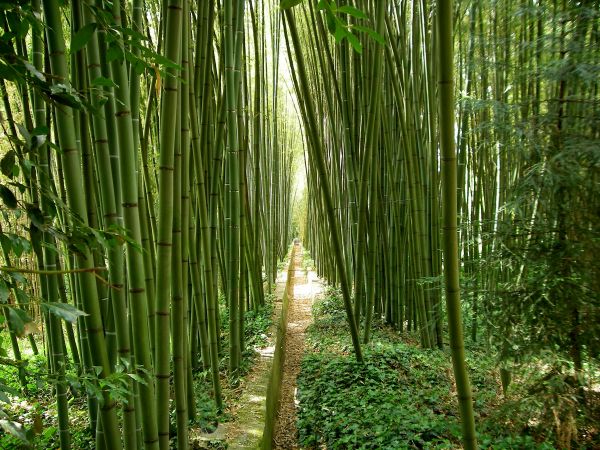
299, 224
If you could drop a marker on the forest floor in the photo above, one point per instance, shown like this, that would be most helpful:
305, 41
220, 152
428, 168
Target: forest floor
306, 286
404, 397
248, 401
247, 408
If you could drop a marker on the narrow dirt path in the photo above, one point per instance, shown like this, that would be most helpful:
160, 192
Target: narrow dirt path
245, 430
305, 287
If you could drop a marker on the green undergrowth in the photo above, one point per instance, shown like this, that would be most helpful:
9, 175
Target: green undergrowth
32, 414
401, 397
256, 326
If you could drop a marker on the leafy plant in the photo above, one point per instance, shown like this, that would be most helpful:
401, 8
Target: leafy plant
338, 26
402, 396
398, 397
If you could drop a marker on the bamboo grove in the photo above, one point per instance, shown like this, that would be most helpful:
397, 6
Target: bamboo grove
526, 133
150, 163
155, 179
380, 193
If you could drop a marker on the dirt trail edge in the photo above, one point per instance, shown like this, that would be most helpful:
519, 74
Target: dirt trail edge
245, 430
305, 286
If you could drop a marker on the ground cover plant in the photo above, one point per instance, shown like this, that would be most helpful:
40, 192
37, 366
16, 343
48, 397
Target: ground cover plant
403, 396
33, 416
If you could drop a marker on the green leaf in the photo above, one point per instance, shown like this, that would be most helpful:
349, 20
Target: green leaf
14, 243
7, 389
133, 35
354, 42
41, 130
103, 82
36, 216
285, 4
140, 67
332, 23
114, 53
8, 73
7, 163
25, 134
17, 318
4, 291
17, 25
8, 197
53, 146
65, 95
3, 397
5, 242
162, 60
27, 164
352, 11
18, 277
323, 4
138, 378
82, 37
33, 71
339, 34
64, 311
14, 428
372, 33
22, 296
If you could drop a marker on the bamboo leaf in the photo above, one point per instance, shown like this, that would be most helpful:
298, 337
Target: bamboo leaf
323, 4
138, 378
17, 318
103, 82
372, 33
24, 133
65, 95
161, 60
339, 34
33, 71
64, 311
82, 37
8, 72
8, 197
332, 24
114, 52
36, 216
4, 389
4, 292
352, 11
354, 41
14, 428
7, 163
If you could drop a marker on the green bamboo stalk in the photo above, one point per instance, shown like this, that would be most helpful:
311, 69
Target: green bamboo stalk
168, 117
203, 230
179, 309
232, 40
73, 181
451, 264
317, 157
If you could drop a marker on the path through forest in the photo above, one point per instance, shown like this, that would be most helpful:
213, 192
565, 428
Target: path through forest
306, 286
245, 431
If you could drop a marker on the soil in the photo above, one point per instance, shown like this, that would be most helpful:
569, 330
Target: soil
305, 287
